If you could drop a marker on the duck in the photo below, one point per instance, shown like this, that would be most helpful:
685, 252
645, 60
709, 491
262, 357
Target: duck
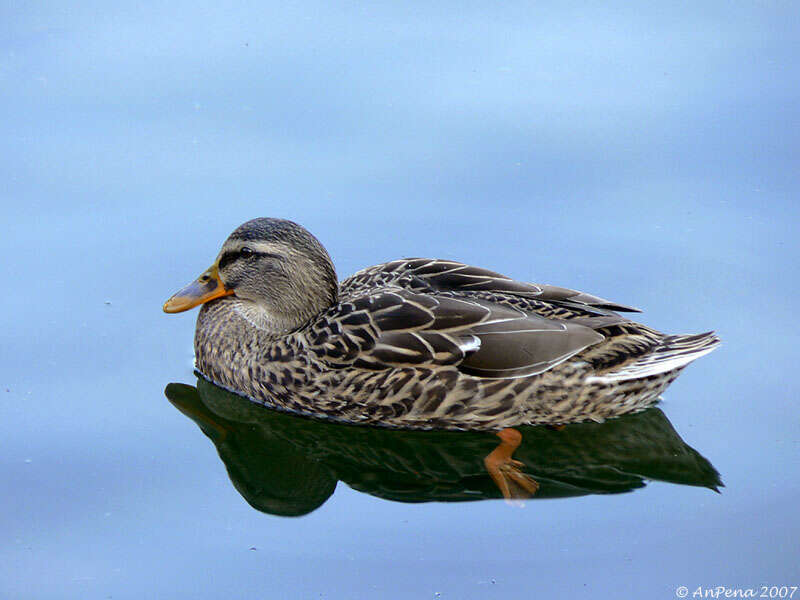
418, 343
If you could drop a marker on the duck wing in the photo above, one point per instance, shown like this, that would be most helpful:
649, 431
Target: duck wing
426, 275
395, 327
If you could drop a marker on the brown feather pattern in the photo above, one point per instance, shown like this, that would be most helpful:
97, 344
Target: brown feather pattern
426, 343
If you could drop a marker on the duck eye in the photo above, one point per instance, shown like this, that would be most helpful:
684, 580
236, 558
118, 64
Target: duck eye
245, 251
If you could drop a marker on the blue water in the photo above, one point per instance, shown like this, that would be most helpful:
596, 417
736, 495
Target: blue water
644, 154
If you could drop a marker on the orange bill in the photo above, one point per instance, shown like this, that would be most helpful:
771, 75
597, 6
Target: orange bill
206, 287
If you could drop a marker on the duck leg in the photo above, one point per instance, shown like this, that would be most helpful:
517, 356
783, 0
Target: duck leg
505, 471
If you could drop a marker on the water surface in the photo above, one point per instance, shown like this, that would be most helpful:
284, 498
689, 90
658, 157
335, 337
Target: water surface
646, 155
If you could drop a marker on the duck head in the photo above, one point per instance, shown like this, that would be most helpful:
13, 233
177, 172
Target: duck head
280, 274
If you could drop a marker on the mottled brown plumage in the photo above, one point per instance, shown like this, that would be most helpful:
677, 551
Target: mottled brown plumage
418, 343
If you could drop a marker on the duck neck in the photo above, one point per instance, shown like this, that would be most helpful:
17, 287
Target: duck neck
270, 323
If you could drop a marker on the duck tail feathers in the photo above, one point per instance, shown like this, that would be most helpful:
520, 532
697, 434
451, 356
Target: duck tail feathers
675, 352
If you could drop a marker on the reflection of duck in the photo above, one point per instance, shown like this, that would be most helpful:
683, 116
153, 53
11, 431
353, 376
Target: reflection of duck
418, 343
289, 465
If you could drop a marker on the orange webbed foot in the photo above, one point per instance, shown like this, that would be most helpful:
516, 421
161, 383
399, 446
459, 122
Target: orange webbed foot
506, 471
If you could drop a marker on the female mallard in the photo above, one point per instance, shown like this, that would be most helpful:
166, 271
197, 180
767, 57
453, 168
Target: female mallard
418, 343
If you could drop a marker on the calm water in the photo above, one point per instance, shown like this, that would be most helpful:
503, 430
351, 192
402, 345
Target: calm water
645, 155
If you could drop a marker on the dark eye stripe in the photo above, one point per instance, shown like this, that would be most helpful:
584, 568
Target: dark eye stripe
233, 255
227, 258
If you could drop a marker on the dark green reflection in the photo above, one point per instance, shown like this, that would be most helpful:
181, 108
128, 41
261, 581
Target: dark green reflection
288, 465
